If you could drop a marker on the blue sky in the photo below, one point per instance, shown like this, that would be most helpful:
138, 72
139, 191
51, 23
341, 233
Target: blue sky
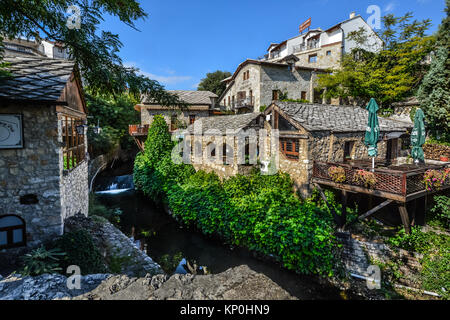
181, 41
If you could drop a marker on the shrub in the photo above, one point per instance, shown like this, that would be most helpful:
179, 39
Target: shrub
260, 213
81, 252
441, 210
42, 261
99, 210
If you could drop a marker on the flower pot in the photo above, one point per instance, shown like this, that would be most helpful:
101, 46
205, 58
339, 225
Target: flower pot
444, 158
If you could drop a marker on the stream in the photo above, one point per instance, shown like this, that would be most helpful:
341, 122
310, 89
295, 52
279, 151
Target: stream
179, 250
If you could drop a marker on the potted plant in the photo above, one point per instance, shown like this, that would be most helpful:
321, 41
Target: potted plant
434, 179
337, 174
367, 178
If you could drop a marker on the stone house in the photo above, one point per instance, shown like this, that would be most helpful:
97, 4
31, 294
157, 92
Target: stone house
324, 49
314, 132
227, 145
199, 104
43, 150
258, 83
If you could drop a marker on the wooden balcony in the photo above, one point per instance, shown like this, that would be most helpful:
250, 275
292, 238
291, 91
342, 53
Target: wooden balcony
137, 130
401, 183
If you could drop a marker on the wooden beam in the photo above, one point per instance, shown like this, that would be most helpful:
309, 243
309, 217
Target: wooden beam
344, 200
374, 210
405, 217
346, 187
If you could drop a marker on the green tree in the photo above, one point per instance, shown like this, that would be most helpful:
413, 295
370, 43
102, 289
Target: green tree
213, 82
388, 75
434, 92
95, 51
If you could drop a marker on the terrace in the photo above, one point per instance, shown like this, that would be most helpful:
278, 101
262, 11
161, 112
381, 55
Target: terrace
399, 183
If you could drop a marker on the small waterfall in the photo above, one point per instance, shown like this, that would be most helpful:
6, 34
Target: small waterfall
114, 185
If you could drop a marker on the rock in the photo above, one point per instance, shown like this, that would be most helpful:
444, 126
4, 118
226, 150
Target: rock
45, 287
240, 283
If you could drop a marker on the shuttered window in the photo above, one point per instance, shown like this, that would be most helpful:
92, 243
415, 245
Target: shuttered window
290, 148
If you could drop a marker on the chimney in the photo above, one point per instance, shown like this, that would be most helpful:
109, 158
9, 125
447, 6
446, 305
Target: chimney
352, 15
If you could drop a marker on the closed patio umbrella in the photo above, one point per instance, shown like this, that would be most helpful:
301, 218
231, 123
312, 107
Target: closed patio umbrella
372, 131
418, 136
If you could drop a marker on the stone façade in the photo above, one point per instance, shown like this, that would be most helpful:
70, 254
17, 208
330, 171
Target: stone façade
37, 170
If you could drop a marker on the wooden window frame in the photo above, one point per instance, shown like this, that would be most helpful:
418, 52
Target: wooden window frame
10, 230
294, 153
192, 118
74, 150
303, 95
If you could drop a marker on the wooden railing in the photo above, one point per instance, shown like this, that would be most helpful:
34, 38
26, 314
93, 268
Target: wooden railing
138, 130
403, 181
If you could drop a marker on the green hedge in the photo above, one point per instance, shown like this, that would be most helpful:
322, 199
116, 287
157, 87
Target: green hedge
257, 212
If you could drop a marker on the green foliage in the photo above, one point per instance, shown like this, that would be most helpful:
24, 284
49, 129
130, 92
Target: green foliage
213, 82
41, 261
260, 213
441, 210
114, 114
392, 74
435, 273
434, 95
104, 142
117, 263
99, 210
81, 252
154, 170
262, 108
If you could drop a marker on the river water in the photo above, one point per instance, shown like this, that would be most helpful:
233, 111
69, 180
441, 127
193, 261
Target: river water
179, 250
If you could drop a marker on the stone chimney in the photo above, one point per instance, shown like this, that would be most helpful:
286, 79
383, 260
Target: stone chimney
352, 15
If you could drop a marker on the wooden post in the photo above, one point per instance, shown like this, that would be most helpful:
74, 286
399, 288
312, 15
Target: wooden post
404, 216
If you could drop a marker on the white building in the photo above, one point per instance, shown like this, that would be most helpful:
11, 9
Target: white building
324, 48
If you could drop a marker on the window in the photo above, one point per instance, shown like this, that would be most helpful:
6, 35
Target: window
303, 96
329, 53
12, 231
74, 151
191, 119
348, 150
247, 75
275, 94
290, 148
313, 58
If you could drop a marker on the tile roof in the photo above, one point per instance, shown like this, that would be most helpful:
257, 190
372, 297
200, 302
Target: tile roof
319, 117
35, 78
224, 123
188, 96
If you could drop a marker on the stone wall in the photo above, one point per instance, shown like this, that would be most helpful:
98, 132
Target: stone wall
75, 191
358, 254
36, 172
33, 170
285, 80
324, 61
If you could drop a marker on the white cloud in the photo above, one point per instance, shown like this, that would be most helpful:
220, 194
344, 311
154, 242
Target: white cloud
390, 6
170, 79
